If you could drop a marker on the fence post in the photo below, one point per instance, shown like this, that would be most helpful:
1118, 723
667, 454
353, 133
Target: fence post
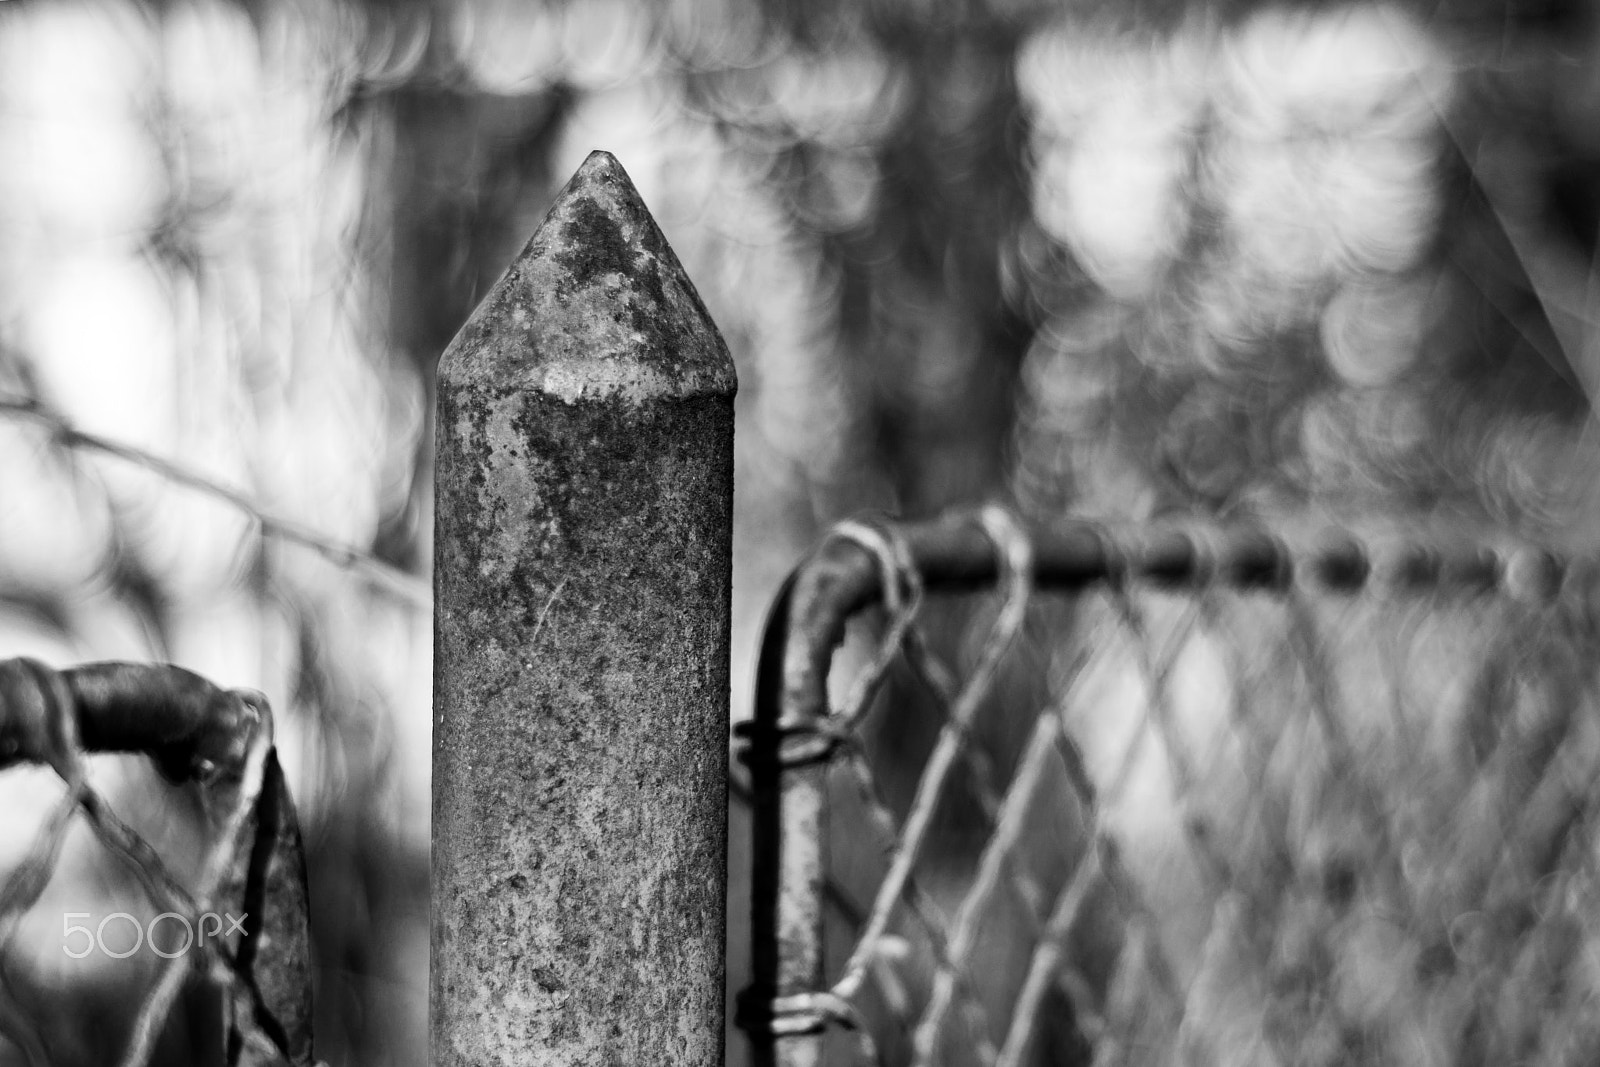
583, 547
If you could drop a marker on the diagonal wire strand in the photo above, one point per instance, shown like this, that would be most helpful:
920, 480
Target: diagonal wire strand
1016, 564
993, 866
158, 1003
952, 738
347, 557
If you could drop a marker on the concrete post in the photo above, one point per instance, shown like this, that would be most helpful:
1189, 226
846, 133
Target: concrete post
583, 548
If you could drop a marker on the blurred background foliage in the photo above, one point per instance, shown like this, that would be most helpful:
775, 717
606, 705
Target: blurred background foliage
1121, 258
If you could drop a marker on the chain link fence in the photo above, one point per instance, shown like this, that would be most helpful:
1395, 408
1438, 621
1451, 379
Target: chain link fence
1175, 795
229, 945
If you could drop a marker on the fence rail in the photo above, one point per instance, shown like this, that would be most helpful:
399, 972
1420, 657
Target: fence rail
1284, 879
254, 974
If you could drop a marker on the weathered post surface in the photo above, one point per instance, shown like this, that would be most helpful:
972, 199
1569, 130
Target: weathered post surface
583, 547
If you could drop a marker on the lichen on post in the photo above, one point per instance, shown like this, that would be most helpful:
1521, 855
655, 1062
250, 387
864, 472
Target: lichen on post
583, 546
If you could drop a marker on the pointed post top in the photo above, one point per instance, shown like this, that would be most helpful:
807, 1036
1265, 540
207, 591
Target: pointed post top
596, 306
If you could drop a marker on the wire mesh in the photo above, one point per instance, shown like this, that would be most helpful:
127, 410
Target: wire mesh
255, 970
1185, 795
